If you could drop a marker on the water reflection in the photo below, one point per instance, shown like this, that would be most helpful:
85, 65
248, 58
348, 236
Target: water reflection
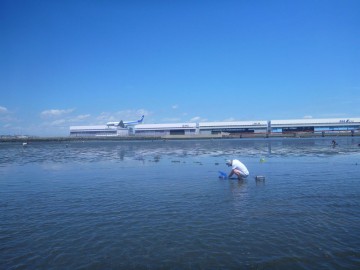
156, 150
239, 190
237, 187
260, 183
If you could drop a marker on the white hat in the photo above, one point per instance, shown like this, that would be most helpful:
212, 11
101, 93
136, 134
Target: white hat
229, 162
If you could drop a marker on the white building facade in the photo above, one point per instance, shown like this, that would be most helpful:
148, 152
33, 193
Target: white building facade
216, 128
315, 125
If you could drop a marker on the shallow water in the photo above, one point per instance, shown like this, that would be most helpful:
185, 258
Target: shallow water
161, 205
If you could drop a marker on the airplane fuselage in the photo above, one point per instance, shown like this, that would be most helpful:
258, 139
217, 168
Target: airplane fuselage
125, 123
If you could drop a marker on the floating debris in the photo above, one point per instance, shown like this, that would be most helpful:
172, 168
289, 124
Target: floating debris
222, 175
260, 178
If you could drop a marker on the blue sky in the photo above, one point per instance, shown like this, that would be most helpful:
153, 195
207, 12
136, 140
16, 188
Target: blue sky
66, 63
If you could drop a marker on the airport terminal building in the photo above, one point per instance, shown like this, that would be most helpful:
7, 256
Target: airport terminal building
315, 125
222, 128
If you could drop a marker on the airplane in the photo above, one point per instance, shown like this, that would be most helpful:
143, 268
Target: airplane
125, 124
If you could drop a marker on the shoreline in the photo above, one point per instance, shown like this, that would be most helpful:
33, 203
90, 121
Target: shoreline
177, 137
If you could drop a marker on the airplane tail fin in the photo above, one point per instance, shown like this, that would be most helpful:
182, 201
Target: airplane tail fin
121, 124
142, 118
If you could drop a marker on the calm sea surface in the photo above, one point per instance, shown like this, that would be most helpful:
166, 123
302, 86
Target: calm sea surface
161, 205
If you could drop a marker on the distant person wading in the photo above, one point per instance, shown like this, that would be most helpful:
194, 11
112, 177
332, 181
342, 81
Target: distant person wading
238, 168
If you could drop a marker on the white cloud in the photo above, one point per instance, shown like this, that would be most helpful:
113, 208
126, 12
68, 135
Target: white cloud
231, 119
126, 115
83, 116
175, 106
79, 118
130, 114
307, 117
65, 122
55, 112
333, 115
59, 122
104, 116
7, 116
170, 120
195, 119
198, 119
3, 109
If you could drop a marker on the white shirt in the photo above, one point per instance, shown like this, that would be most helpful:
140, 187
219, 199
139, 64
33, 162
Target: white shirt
237, 165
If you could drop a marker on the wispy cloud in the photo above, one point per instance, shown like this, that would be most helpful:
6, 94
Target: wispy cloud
3, 110
67, 121
6, 116
80, 117
174, 107
55, 112
59, 122
307, 117
125, 115
230, 119
333, 115
171, 120
131, 114
198, 119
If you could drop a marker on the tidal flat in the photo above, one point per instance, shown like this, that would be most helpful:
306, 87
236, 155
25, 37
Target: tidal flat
161, 205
